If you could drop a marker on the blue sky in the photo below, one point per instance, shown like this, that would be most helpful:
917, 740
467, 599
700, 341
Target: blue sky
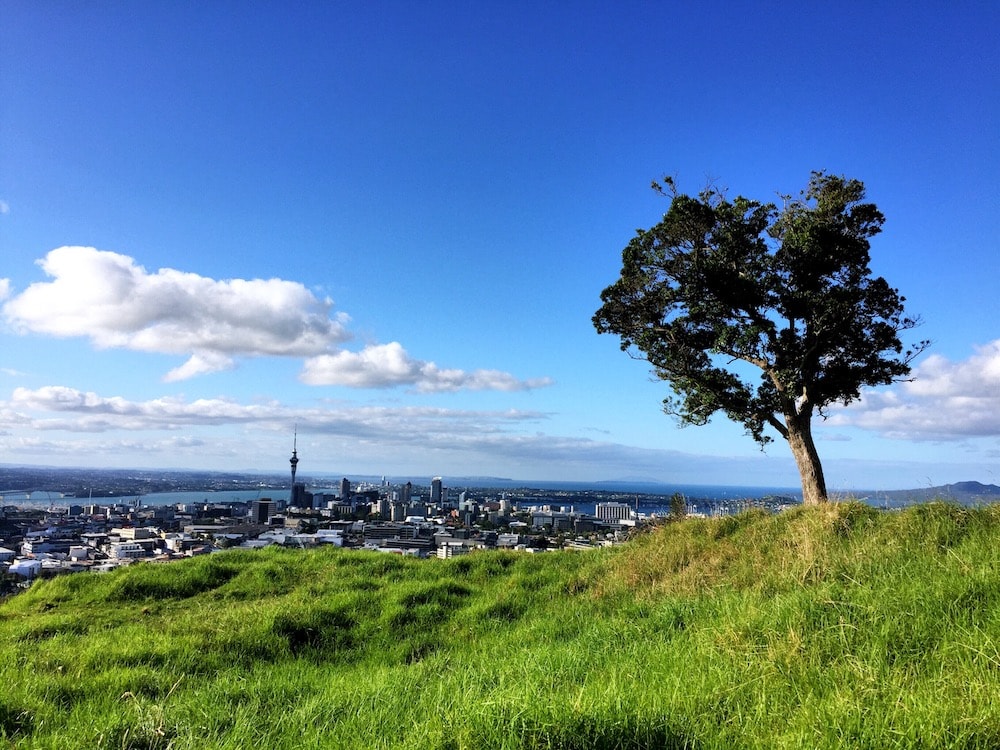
390, 223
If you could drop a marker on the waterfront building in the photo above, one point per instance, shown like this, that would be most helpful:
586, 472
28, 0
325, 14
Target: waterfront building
301, 497
613, 512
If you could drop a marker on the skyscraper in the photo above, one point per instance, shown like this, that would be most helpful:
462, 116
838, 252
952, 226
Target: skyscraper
436, 490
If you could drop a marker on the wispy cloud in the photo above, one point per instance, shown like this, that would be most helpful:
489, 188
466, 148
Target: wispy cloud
200, 363
453, 440
389, 365
211, 433
69, 409
945, 401
114, 302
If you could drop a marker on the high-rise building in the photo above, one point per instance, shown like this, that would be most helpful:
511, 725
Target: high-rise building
301, 498
437, 490
261, 510
345, 488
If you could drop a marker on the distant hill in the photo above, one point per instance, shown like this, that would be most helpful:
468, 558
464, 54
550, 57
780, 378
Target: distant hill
963, 493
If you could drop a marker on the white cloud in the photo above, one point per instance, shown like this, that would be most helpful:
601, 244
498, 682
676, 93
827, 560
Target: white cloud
945, 401
4, 207
111, 300
116, 303
388, 365
199, 364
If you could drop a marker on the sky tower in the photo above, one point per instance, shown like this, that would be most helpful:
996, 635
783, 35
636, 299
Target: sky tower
294, 460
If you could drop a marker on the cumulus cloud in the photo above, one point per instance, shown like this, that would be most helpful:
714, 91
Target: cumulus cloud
4, 207
116, 303
945, 401
388, 365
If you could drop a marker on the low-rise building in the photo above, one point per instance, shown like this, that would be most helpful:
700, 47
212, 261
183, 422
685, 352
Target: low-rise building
26, 568
128, 551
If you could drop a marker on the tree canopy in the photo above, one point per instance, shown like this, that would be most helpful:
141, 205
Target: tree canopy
719, 285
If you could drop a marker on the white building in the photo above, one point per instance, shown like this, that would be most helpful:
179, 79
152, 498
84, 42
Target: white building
128, 551
26, 568
613, 512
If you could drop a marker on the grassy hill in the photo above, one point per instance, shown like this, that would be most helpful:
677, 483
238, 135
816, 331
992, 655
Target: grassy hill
838, 626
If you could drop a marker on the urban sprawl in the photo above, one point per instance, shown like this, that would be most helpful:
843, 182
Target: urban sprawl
78, 535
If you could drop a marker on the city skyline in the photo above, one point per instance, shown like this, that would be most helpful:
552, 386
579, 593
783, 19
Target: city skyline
378, 234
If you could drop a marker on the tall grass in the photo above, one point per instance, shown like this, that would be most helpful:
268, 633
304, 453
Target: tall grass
827, 627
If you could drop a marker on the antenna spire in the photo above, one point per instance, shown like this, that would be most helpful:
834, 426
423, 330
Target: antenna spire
294, 460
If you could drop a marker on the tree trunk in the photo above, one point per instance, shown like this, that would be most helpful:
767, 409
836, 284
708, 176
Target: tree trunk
800, 440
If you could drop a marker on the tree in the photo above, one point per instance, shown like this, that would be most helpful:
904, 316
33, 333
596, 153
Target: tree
678, 507
765, 314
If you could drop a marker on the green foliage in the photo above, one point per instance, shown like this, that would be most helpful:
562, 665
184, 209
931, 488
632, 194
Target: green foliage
835, 626
678, 507
721, 286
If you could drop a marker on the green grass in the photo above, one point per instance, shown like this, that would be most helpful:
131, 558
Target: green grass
828, 627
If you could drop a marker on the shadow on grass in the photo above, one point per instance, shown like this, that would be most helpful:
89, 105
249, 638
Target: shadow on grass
15, 723
584, 732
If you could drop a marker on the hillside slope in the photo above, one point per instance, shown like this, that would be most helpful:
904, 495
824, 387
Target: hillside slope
836, 626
